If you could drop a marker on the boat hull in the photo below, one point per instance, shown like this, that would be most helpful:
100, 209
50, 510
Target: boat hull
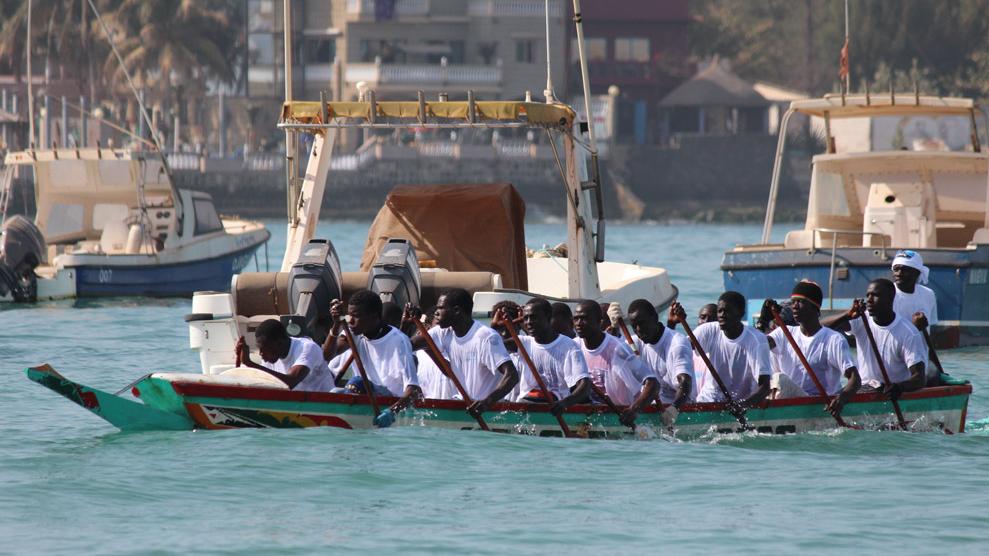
161, 280
959, 278
208, 402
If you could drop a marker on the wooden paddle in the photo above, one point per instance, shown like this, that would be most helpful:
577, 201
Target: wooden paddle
610, 403
444, 365
882, 369
930, 346
343, 370
510, 326
803, 360
710, 367
627, 335
368, 388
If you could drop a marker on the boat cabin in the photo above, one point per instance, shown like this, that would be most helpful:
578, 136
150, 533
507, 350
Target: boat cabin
899, 172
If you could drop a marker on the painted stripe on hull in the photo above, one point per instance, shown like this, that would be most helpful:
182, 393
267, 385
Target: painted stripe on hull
181, 279
213, 407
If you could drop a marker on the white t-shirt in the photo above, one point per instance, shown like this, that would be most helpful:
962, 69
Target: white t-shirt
922, 300
615, 369
303, 351
900, 343
669, 358
474, 357
739, 362
826, 351
435, 385
560, 364
336, 364
388, 361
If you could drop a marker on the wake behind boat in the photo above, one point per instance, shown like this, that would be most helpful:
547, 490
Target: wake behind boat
112, 223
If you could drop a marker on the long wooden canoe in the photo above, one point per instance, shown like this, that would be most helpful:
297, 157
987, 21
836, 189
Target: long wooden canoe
177, 401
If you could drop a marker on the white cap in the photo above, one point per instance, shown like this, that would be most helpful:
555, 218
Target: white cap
906, 257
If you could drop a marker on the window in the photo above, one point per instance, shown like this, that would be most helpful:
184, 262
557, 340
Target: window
632, 50
206, 218
597, 50
320, 50
260, 49
525, 51
260, 15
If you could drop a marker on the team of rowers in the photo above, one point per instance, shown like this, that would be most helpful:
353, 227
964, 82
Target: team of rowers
591, 355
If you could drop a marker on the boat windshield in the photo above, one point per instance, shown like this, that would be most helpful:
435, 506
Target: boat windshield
901, 133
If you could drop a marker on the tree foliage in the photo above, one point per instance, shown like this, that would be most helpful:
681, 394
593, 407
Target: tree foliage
944, 45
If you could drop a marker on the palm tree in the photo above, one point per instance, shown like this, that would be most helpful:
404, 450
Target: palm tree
60, 29
172, 46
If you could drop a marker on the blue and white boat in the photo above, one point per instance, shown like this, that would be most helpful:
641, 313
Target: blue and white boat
899, 172
114, 224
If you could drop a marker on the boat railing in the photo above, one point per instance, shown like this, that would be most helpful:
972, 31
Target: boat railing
835, 232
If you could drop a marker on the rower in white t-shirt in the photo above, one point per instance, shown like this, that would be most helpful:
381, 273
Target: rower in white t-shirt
384, 351
666, 353
614, 369
557, 359
900, 344
914, 301
476, 353
298, 362
824, 349
739, 354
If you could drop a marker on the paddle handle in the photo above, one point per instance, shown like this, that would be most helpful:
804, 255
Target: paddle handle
882, 369
444, 365
343, 370
803, 360
609, 402
535, 374
710, 367
360, 368
930, 346
627, 335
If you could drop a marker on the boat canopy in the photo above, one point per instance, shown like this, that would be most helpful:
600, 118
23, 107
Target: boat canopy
460, 228
77, 191
484, 112
862, 106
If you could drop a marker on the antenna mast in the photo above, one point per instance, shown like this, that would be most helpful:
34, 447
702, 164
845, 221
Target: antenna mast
548, 93
290, 148
30, 81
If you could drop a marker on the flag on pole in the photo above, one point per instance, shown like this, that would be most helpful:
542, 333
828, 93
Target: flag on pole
843, 63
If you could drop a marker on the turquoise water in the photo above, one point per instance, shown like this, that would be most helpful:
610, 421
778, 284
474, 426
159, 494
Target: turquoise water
71, 484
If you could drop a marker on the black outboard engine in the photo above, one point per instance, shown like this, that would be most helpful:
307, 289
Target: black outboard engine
395, 275
313, 282
22, 249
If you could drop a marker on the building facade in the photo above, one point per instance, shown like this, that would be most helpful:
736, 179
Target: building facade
642, 48
496, 48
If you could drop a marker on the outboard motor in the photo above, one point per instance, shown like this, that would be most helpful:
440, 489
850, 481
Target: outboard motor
314, 281
395, 275
22, 249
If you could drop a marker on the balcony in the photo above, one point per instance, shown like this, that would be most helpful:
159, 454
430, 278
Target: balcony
412, 77
378, 10
514, 8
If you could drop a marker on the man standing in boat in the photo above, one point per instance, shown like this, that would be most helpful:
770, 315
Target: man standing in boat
476, 352
383, 350
826, 351
914, 301
298, 362
739, 354
557, 359
666, 353
899, 343
615, 370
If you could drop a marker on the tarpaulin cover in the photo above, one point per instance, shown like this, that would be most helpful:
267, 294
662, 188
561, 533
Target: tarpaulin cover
476, 227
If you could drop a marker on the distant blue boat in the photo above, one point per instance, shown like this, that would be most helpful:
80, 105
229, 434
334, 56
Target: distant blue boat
111, 223
907, 172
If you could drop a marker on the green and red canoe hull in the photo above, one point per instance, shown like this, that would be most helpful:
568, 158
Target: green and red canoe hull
177, 401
